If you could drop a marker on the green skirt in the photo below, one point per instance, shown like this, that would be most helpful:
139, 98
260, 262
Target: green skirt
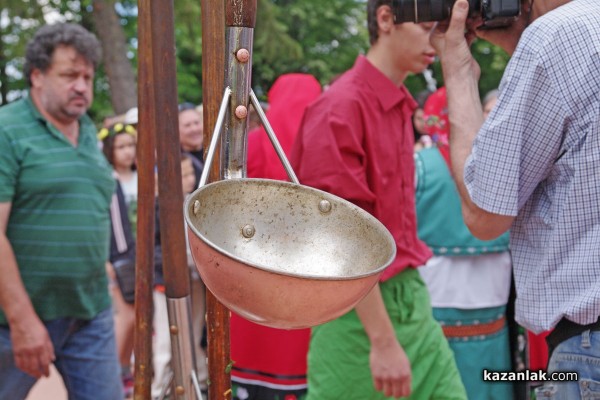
338, 359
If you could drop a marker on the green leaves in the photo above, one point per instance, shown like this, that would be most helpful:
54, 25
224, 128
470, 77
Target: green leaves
18, 21
319, 37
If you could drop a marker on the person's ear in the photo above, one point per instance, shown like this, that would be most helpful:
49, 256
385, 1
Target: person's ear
385, 19
36, 78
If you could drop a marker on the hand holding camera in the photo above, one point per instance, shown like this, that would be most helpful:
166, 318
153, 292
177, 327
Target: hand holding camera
493, 13
452, 44
500, 22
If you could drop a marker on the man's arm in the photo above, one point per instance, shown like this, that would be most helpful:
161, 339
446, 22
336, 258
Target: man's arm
32, 348
461, 74
389, 365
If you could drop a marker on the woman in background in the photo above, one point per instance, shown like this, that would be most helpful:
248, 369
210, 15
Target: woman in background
468, 279
119, 148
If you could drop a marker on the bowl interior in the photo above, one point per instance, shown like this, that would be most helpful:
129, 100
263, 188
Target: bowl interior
289, 229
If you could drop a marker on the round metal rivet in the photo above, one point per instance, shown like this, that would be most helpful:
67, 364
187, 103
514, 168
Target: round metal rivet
242, 55
248, 231
180, 390
324, 206
241, 112
174, 330
196, 207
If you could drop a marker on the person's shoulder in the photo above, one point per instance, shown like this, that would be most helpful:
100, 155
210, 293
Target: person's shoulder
347, 92
428, 152
576, 9
554, 40
14, 112
351, 81
334, 106
14, 116
563, 25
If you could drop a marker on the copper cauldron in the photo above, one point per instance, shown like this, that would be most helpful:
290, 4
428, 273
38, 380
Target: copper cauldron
282, 254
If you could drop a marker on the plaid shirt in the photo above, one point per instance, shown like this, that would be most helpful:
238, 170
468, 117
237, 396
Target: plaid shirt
537, 157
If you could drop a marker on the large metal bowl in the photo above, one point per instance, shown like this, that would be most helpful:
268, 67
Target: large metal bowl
282, 254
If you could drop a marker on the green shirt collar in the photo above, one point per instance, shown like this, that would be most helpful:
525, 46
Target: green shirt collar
87, 129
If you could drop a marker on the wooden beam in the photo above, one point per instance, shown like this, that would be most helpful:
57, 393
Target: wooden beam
144, 274
213, 78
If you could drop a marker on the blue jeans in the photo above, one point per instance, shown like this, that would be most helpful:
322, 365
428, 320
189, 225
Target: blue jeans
579, 354
86, 358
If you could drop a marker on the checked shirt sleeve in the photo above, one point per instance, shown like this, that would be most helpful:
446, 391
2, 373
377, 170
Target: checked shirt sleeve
515, 148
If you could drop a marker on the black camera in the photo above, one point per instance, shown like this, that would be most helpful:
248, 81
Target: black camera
495, 13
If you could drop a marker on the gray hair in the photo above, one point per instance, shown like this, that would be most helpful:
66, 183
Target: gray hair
41, 48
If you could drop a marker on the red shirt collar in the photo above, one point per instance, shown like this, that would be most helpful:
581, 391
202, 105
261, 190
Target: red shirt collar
387, 93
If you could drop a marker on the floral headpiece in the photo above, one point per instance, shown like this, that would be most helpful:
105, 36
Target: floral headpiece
115, 130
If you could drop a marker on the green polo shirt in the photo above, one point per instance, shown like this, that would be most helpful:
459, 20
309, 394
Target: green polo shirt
59, 220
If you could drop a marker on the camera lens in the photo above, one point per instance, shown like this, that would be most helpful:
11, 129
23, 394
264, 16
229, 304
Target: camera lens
421, 10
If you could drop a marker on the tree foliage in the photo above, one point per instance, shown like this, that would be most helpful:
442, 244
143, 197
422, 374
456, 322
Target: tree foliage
18, 21
318, 37
188, 40
122, 82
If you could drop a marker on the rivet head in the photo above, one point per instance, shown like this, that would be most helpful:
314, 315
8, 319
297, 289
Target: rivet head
248, 231
196, 209
242, 55
174, 330
241, 112
180, 390
324, 206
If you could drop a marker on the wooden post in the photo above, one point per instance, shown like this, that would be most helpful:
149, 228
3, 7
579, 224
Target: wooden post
168, 152
213, 67
158, 99
144, 274
170, 198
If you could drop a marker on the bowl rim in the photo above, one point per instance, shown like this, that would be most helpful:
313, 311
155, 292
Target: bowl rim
188, 208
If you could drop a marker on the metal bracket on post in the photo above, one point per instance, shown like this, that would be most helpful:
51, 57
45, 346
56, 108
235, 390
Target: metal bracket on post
238, 77
216, 136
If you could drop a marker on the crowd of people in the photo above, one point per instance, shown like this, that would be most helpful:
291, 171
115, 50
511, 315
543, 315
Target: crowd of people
492, 203
69, 194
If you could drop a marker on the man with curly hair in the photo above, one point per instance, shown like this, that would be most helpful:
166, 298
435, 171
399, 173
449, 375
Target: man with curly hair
55, 193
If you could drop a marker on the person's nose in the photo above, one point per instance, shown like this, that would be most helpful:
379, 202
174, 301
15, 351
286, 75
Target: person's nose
81, 84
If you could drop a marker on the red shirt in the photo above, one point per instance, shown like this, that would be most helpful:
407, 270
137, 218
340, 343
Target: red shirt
356, 141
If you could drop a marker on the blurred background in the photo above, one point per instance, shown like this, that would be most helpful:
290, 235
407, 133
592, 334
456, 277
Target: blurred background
318, 37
